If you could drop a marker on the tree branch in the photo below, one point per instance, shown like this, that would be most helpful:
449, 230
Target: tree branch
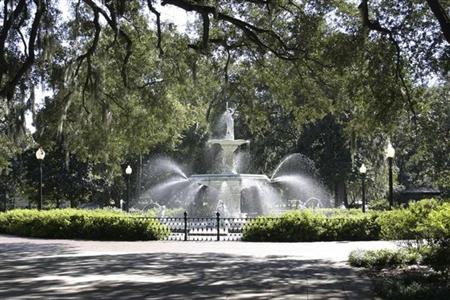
158, 25
10, 87
250, 30
442, 17
7, 24
376, 26
120, 32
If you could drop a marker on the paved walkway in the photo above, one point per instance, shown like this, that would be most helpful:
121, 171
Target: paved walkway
68, 269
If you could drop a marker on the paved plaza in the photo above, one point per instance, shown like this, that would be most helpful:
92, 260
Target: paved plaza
68, 269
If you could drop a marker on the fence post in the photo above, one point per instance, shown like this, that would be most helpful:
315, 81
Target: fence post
185, 226
218, 226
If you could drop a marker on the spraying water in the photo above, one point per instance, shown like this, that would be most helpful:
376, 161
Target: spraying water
232, 193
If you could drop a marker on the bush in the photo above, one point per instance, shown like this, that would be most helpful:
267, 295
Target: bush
406, 223
436, 229
290, 227
412, 223
399, 280
80, 224
306, 226
379, 204
358, 227
385, 258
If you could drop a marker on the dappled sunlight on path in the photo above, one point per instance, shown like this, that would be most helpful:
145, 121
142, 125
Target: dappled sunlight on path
39, 269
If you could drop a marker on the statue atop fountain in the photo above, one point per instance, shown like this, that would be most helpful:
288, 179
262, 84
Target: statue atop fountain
228, 144
229, 135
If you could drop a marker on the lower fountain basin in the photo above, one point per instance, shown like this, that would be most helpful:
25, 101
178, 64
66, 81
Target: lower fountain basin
228, 187
205, 178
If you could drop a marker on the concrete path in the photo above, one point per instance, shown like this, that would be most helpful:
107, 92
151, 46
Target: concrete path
68, 269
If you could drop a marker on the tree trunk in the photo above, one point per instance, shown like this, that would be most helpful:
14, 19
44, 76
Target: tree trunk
340, 193
139, 179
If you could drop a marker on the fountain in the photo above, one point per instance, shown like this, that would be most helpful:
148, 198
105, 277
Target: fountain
235, 194
229, 184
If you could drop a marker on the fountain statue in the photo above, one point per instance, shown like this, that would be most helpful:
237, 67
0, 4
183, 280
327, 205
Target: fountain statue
235, 194
229, 135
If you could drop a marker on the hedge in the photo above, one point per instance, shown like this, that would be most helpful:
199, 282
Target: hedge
421, 220
384, 258
307, 226
80, 224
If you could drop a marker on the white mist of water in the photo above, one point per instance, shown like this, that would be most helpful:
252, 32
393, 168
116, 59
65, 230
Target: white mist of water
268, 198
303, 189
240, 164
281, 165
163, 166
224, 205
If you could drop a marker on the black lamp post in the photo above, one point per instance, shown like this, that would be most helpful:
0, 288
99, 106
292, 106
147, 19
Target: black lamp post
128, 171
40, 154
363, 171
390, 153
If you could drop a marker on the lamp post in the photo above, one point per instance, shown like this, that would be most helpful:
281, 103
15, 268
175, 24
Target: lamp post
40, 154
390, 153
128, 171
362, 171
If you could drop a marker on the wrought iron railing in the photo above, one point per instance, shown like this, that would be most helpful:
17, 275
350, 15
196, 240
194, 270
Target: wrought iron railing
202, 228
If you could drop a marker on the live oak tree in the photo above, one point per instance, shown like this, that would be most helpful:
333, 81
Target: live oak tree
124, 83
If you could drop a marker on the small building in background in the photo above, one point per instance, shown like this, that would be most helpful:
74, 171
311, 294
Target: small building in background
416, 193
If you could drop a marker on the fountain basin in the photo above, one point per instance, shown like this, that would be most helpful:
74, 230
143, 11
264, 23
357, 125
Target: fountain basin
206, 178
228, 187
228, 142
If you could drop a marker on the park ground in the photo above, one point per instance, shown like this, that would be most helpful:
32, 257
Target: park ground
71, 269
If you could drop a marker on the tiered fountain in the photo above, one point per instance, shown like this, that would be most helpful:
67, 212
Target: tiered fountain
231, 193
229, 184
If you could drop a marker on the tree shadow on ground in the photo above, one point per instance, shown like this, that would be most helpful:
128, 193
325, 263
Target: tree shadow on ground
171, 276
15, 251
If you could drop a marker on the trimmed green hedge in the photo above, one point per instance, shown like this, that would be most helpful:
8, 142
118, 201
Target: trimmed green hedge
421, 220
306, 226
80, 224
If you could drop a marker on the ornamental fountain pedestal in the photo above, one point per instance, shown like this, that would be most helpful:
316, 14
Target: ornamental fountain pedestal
229, 184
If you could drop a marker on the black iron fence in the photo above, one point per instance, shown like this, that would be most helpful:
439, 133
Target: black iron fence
203, 229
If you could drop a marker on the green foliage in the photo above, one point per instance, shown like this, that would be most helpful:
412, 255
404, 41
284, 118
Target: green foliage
80, 224
426, 219
405, 274
356, 227
291, 227
406, 223
379, 204
307, 226
411, 285
385, 258
436, 228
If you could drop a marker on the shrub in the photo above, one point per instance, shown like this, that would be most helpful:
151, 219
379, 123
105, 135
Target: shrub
379, 204
385, 258
436, 229
397, 280
80, 224
358, 227
406, 223
290, 227
306, 226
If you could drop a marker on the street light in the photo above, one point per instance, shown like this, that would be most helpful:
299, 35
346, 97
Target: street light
390, 153
363, 171
40, 154
128, 171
